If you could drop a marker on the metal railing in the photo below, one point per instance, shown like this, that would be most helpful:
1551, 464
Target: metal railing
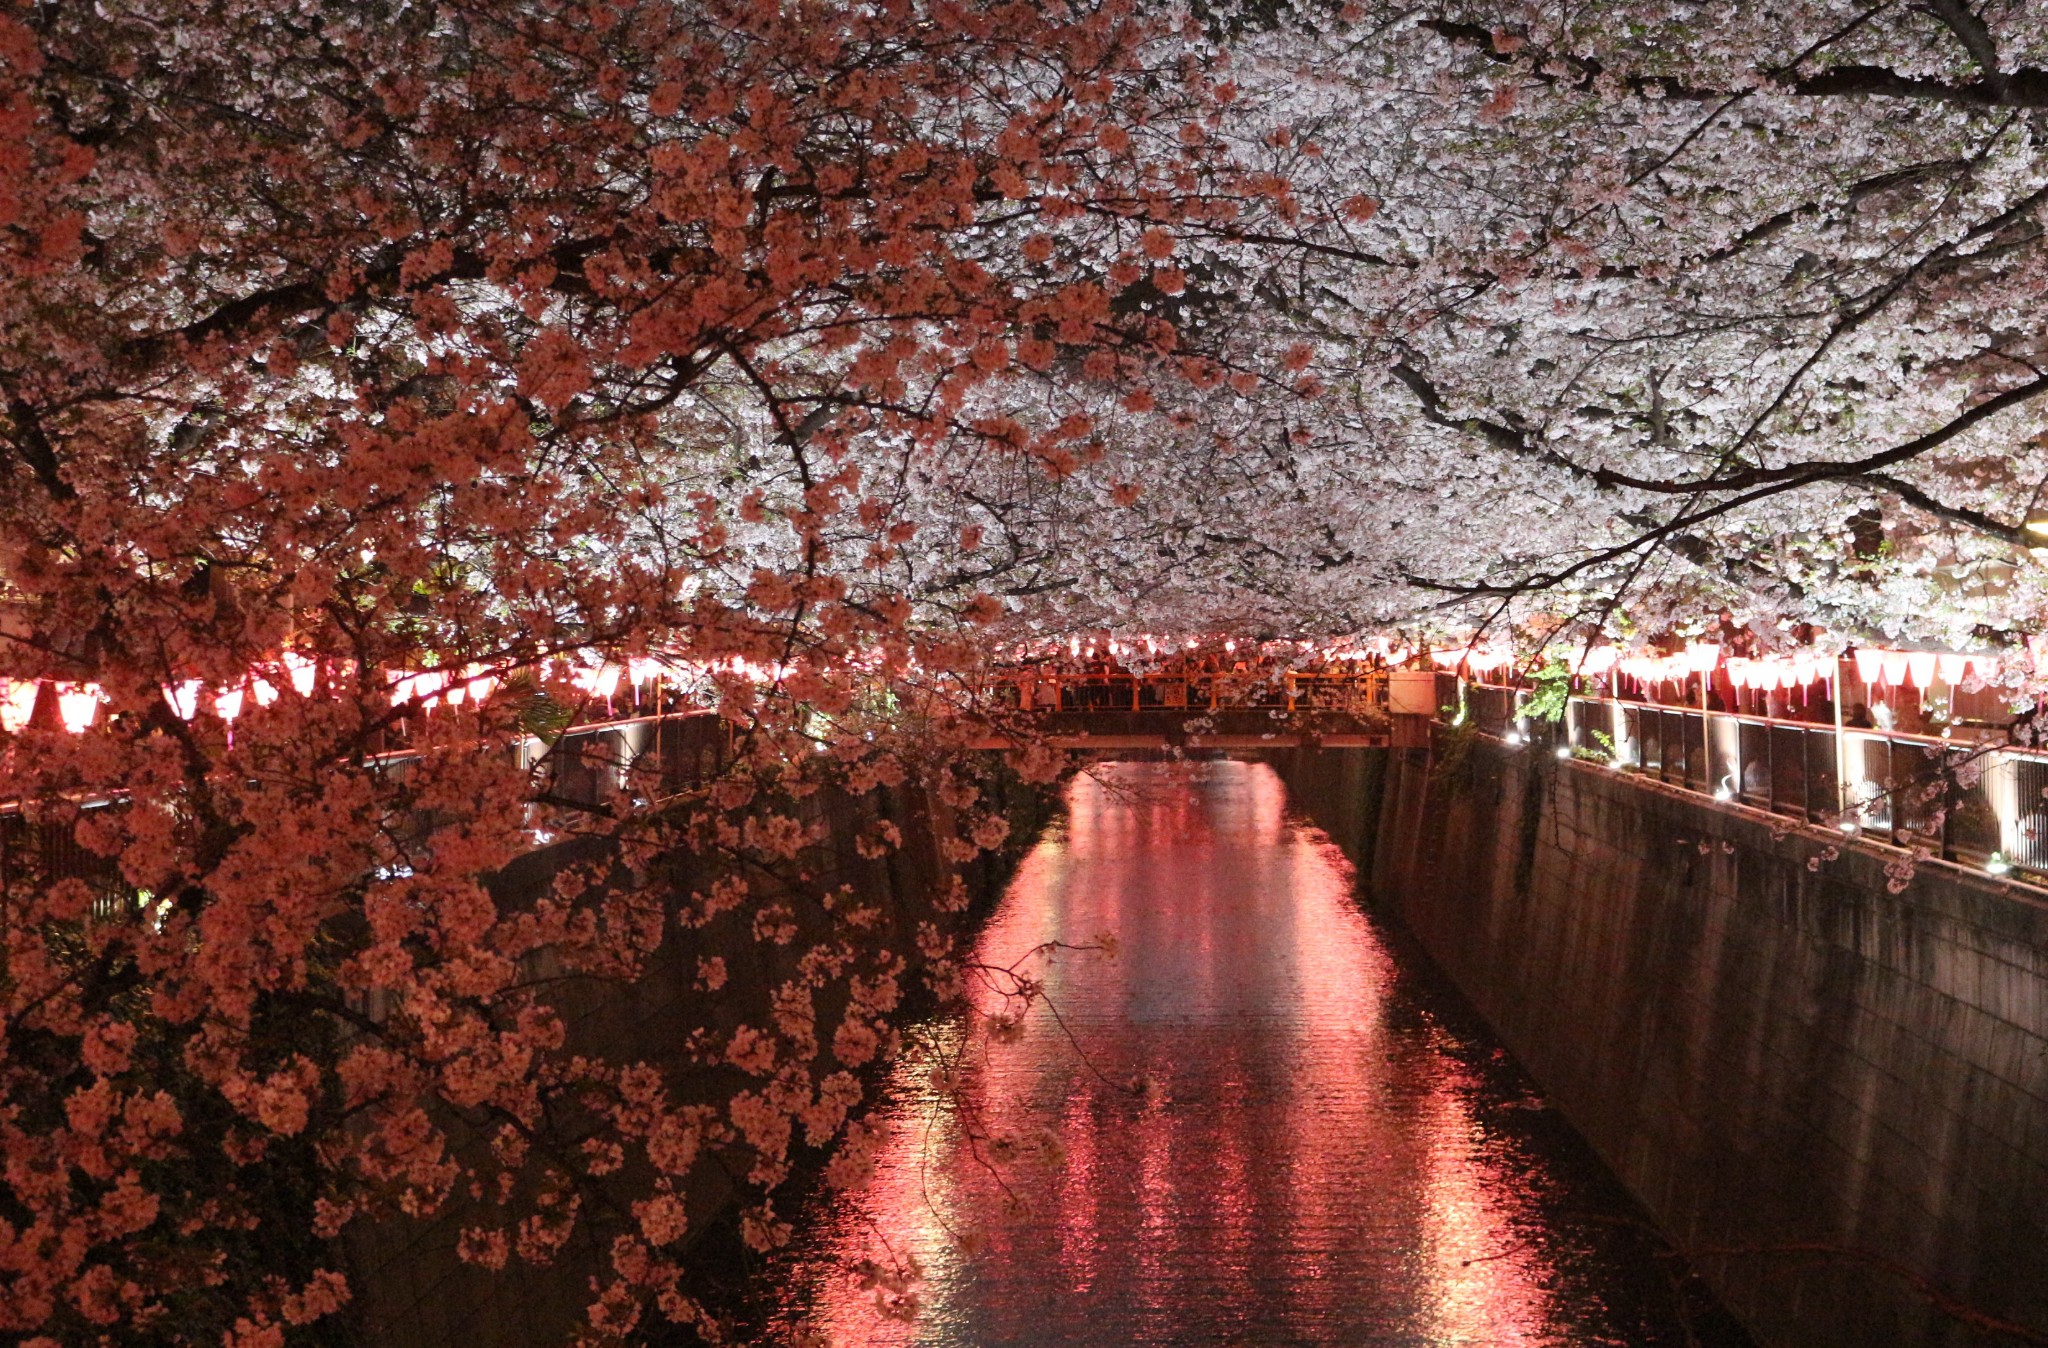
1973, 802
667, 754
660, 755
1051, 690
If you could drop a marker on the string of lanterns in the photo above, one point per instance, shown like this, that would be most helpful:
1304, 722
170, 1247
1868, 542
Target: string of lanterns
1876, 667
78, 704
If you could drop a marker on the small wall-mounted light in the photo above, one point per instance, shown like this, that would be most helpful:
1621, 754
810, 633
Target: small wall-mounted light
1723, 793
1513, 737
1998, 865
1564, 751
1851, 827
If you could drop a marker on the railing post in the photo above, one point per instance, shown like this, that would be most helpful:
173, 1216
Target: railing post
1841, 746
660, 757
1892, 790
1813, 811
1951, 797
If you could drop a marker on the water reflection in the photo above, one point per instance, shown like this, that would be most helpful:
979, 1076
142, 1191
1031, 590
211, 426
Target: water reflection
1307, 1156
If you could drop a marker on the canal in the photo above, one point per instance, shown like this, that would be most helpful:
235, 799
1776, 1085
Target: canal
1264, 1120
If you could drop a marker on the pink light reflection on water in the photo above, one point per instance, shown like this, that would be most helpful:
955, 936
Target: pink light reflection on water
1313, 1174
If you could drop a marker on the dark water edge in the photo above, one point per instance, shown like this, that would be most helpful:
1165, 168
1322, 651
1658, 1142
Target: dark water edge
1613, 1255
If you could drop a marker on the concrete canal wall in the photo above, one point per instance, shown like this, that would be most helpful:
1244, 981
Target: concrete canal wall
412, 1291
1833, 1097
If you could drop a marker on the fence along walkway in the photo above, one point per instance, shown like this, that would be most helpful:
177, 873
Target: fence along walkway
661, 753
1971, 803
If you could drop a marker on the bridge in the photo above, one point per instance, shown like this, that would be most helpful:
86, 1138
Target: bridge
1239, 709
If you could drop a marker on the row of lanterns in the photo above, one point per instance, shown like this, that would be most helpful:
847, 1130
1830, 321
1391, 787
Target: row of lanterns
1875, 666
79, 703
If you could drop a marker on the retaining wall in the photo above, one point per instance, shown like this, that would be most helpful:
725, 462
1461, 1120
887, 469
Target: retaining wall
412, 1291
1832, 1097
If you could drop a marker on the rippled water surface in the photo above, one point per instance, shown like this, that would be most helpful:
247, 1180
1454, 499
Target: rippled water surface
1321, 1147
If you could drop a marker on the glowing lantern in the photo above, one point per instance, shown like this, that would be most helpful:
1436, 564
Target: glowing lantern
1702, 656
481, 686
1953, 668
265, 691
183, 698
423, 688
17, 703
1869, 666
1598, 661
303, 673
1896, 666
227, 703
77, 705
1921, 664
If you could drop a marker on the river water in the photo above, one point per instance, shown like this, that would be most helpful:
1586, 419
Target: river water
1263, 1121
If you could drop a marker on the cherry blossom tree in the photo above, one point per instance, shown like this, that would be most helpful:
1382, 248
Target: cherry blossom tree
357, 358
1665, 303
371, 374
